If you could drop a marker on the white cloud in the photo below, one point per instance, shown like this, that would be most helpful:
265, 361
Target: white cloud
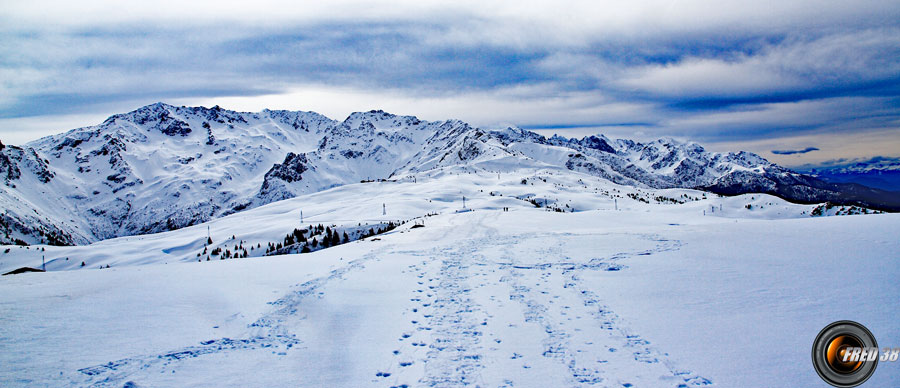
710, 78
796, 65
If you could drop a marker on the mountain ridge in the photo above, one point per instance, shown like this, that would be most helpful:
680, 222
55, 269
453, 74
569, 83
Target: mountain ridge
163, 167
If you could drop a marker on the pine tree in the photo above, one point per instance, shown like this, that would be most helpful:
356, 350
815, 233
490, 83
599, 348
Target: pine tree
346, 238
335, 239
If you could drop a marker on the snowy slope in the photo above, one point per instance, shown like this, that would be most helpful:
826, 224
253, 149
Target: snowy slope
655, 294
163, 167
438, 192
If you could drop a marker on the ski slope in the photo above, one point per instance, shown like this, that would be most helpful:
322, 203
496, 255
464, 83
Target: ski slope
619, 292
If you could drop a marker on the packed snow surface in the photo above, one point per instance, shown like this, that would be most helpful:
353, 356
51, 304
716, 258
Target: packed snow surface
623, 287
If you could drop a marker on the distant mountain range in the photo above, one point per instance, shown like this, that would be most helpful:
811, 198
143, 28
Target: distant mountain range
878, 172
163, 167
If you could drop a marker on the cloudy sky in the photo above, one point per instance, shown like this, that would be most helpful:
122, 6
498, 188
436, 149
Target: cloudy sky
798, 82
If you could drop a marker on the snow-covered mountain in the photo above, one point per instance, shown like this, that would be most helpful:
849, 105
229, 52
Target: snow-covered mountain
163, 167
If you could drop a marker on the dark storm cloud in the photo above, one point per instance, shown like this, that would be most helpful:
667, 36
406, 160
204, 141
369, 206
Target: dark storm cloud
793, 152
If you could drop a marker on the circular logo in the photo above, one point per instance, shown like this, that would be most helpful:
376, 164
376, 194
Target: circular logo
845, 354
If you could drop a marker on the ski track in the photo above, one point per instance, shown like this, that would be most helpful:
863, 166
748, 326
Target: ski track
452, 336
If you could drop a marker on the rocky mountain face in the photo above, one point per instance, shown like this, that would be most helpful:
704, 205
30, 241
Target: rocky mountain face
163, 167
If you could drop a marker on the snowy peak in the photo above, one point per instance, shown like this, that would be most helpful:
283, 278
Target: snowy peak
379, 120
517, 135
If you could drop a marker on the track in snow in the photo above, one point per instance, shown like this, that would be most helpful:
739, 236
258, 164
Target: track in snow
483, 312
270, 331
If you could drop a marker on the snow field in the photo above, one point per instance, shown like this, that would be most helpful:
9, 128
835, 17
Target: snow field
652, 295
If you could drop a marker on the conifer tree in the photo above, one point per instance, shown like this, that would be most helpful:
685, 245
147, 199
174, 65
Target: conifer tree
335, 239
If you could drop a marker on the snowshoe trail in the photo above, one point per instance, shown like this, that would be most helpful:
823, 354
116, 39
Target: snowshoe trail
471, 313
